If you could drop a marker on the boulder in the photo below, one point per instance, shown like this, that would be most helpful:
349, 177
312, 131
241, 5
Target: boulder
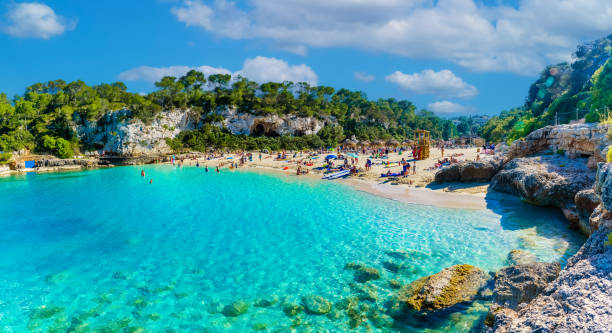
520, 257
522, 283
316, 305
453, 285
579, 300
363, 273
470, 171
236, 309
549, 180
586, 201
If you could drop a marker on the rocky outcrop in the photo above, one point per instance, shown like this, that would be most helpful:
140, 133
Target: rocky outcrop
586, 140
470, 171
268, 125
453, 285
56, 163
522, 283
520, 257
586, 202
580, 299
118, 133
548, 180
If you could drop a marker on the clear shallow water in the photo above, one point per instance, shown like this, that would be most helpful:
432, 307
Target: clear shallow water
103, 249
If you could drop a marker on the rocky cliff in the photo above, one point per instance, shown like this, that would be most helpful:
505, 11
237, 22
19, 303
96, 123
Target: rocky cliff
580, 299
120, 134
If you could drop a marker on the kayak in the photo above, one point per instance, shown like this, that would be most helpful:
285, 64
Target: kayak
337, 175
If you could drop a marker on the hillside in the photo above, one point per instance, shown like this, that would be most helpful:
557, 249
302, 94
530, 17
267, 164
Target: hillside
563, 92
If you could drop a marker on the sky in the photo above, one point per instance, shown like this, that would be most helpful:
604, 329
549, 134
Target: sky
452, 57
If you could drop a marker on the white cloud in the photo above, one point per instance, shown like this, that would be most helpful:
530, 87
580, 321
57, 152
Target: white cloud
446, 108
497, 38
260, 69
443, 83
364, 77
35, 20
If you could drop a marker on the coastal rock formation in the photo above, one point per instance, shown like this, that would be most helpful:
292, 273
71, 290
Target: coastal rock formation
269, 125
453, 285
545, 180
586, 203
522, 283
575, 140
117, 133
470, 171
580, 299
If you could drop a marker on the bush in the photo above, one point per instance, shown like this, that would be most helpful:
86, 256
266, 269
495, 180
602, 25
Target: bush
5, 158
59, 147
609, 155
592, 117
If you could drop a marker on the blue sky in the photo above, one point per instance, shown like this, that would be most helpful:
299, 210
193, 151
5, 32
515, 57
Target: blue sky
450, 56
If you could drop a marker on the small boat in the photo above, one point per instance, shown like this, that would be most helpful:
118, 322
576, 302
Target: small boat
337, 175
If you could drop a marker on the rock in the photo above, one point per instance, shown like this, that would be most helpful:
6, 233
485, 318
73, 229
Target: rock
316, 305
579, 300
522, 283
470, 171
266, 302
586, 201
236, 309
365, 292
269, 125
260, 327
380, 320
453, 285
520, 257
292, 309
603, 186
395, 284
363, 273
544, 180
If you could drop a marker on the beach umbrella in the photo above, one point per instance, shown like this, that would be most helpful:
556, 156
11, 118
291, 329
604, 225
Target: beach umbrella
330, 157
393, 143
353, 155
378, 143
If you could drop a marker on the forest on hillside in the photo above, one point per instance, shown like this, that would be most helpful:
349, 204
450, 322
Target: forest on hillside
45, 117
563, 92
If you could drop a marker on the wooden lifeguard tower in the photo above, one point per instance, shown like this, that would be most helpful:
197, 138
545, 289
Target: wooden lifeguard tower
421, 139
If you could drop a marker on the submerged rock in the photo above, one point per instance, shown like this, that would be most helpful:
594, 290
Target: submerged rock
521, 257
522, 283
266, 302
453, 285
45, 312
316, 304
236, 309
292, 309
363, 273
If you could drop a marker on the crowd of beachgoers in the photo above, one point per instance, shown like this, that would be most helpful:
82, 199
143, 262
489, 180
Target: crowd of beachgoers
370, 163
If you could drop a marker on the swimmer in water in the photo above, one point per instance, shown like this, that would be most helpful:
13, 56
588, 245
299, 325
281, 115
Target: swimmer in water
151, 181
142, 173
206, 168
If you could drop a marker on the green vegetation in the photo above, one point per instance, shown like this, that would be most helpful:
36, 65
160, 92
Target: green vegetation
45, 118
5, 158
563, 93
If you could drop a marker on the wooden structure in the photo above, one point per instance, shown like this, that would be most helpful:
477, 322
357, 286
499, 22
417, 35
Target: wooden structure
421, 140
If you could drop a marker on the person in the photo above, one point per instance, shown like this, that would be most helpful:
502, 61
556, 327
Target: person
197, 164
217, 169
414, 168
151, 181
206, 168
442, 150
142, 173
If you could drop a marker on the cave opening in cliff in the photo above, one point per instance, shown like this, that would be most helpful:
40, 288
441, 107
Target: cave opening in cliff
260, 130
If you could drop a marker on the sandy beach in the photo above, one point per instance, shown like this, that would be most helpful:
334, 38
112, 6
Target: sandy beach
415, 188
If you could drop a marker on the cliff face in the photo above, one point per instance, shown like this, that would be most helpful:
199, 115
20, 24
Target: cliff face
115, 133
269, 125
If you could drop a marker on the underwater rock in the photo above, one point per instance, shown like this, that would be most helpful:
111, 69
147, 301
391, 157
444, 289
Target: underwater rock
453, 285
406, 254
522, 283
260, 327
363, 273
364, 292
316, 304
57, 277
266, 302
380, 320
521, 257
236, 309
45, 312
292, 309
395, 284
345, 303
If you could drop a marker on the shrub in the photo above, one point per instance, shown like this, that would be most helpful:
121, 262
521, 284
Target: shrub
5, 158
59, 147
609, 155
592, 117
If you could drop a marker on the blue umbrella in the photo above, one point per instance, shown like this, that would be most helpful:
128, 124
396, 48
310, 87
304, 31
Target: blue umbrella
329, 157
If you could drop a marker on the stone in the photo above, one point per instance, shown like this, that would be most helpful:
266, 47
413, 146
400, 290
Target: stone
522, 283
579, 300
45, 312
236, 309
520, 257
586, 201
365, 292
266, 302
453, 285
316, 304
260, 326
363, 273
470, 171
292, 309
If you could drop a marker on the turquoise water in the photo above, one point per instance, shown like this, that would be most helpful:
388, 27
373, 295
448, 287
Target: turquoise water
104, 250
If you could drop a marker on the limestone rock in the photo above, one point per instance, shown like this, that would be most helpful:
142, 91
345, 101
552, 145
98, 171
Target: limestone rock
363, 273
586, 202
579, 300
453, 285
236, 309
520, 257
316, 304
270, 125
544, 180
522, 283
470, 171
